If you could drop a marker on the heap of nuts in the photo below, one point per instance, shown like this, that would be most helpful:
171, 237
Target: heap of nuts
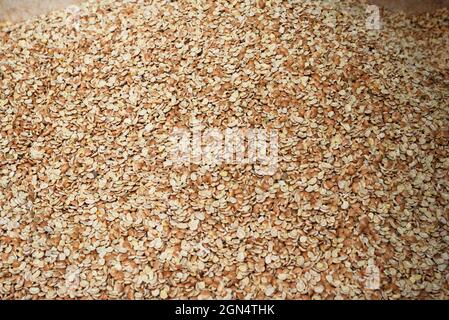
92, 206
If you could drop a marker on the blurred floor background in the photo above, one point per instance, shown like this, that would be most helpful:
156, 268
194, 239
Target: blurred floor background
411, 6
18, 10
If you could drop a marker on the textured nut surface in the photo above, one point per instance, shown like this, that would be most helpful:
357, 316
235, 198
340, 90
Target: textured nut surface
90, 207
